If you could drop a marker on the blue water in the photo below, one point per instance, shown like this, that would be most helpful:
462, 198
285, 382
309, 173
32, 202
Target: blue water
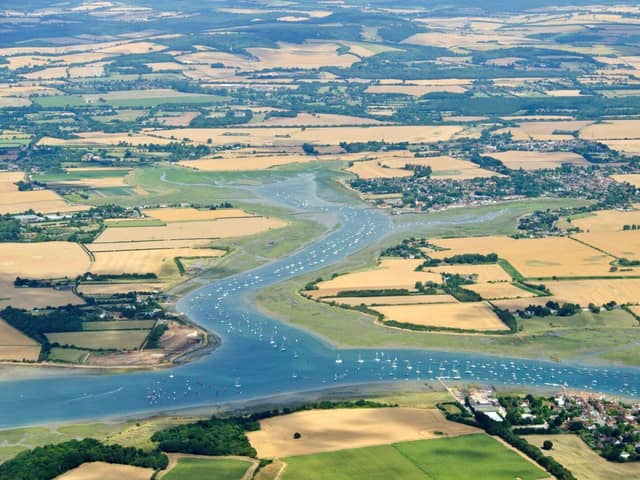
260, 356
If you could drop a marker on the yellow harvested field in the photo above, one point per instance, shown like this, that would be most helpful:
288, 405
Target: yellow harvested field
482, 273
415, 90
392, 300
149, 245
545, 130
522, 303
193, 214
536, 160
11, 90
583, 462
632, 178
114, 288
598, 292
629, 147
391, 273
182, 120
622, 244
222, 228
316, 135
160, 262
8, 181
99, 138
564, 92
47, 74
494, 291
465, 316
536, 257
37, 260
307, 55
132, 48
316, 120
102, 470
42, 201
612, 130
607, 220
339, 429
443, 167
87, 71
16, 346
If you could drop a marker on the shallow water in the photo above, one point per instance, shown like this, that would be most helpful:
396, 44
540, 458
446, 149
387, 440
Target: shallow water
260, 356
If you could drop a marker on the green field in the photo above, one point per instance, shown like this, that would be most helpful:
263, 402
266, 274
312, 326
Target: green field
101, 340
68, 355
71, 176
119, 325
208, 469
61, 101
146, 222
477, 457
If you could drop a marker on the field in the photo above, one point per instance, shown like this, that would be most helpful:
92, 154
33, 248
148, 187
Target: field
203, 468
41, 201
416, 90
14, 345
107, 340
260, 137
535, 160
492, 291
612, 130
459, 458
30, 260
536, 258
160, 261
621, 244
241, 160
222, 228
390, 273
583, 462
464, 316
632, 178
330, 430
607, 220
192, 214
392, 300
598, 292
491, 272
393, 165
550, 130
316, 120
113, 288
101, 470
29, 298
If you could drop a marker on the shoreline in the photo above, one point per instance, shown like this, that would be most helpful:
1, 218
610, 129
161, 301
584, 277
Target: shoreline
284, 400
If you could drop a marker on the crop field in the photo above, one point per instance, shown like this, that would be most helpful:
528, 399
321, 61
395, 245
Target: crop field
260, 137
560, 130
192, 214
612, 130
114, 288
29, 298
536, 258
203, 468
629, 147
14, 345
30, 260
246, 162
101, 470
317, 119
160, 262
105, 139
391, 273
598, 292
607, 220
222, 228
42, 201
631, 178
309, 55
492, 291
415, 90
150, 245
583, 462
392, 300
535, 160
389, 166
491, 272
118, 325
622, 244
464, 316
330, 430
103, 339
459, 458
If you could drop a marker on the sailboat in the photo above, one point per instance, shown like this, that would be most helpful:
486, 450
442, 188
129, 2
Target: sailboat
338, 360
360, 360
237, 384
